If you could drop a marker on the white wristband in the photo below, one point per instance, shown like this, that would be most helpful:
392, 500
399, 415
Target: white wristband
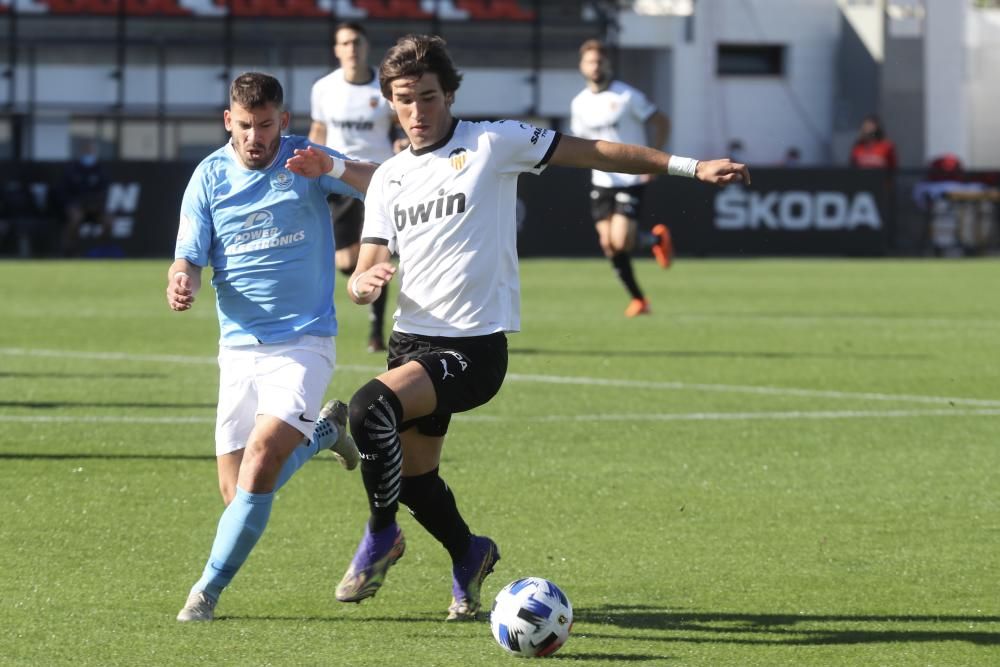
338, 168
354, 289
682, 166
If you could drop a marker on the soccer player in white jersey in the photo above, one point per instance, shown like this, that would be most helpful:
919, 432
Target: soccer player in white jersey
255, 210
350, 115
448, 205
612, 110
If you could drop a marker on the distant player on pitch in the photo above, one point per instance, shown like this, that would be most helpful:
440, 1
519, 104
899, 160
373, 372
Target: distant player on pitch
448, 203
615, 111
349, 114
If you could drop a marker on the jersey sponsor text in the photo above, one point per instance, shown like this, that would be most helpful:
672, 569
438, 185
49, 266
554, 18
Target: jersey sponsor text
441, 207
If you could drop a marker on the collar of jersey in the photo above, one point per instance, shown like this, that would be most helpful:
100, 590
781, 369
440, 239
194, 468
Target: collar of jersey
371, 71
433, 147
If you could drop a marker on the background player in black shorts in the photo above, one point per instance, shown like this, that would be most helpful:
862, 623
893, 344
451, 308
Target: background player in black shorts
615, 111
350, 114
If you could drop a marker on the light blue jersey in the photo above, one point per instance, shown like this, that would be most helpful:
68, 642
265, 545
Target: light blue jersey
266, 234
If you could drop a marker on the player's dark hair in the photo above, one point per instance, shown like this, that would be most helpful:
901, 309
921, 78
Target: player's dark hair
594, 45
415, 55
252, 90
350, 25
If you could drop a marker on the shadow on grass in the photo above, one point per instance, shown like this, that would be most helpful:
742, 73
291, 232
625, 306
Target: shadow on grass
55, 456
55, 405
63, 456
782, 629
714, 354
76, 376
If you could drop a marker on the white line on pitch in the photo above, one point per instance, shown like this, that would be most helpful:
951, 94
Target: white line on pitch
743, 416
558, 379
662, 417
751, 389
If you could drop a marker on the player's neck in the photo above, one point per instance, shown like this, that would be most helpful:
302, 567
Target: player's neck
599, 86
360, 74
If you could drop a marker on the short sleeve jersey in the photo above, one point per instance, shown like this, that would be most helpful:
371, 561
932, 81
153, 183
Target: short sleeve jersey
357, 118
449, 210
618, 113
266, 234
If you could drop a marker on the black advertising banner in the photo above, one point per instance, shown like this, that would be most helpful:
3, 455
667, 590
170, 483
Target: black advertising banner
142, 202
832, 212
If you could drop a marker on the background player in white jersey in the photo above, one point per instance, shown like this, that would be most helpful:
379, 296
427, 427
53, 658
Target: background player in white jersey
350, 115
255, 210
448, 203
615, 111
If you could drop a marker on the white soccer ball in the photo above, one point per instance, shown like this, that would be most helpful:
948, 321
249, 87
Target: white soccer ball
531, 617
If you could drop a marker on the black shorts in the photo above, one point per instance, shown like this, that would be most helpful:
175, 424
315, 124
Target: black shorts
348, 215
467, 372
625, 201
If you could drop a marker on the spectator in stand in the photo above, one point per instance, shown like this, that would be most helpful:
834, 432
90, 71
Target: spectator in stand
85, 187
872, 150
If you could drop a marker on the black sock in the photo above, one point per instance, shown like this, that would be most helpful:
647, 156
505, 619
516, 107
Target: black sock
623, 267
432, 504
377, 314
374, 413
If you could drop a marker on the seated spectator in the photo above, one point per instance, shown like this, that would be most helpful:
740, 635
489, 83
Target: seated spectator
85, 188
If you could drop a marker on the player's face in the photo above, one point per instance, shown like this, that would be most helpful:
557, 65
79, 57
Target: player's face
256, 133
594, 67
424, 109
351, 48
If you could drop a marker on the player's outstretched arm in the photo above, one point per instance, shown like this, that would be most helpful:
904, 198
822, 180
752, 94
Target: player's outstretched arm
183, 283
313, 163
372, 272
632, 159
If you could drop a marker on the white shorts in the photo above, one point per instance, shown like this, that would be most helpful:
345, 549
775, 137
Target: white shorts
285, 380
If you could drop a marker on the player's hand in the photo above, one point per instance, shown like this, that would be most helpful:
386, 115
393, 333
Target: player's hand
180, 295
309, 162
367, 286
722, 172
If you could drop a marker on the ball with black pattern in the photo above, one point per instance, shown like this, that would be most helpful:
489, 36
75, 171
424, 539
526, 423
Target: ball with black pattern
531, 617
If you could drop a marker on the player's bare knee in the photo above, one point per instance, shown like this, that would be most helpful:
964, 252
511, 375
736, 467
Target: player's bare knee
228, 491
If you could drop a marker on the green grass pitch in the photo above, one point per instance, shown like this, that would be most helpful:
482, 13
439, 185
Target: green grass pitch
788, 463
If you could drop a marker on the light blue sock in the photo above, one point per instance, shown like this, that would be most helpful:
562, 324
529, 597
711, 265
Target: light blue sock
240, 527
304, 452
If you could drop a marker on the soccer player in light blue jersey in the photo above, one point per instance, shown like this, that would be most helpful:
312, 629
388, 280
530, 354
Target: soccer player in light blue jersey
255, 210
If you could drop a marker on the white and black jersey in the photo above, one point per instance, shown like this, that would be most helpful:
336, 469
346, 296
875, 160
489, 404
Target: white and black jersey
618, 113
357, 118
449, 211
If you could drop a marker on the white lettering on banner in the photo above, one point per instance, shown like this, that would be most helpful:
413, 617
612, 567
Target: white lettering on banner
122, 203
121, 227
122, 198
795, 210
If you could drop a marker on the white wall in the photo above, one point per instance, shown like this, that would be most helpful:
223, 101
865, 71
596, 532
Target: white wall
983, 86
768, 114
945, 80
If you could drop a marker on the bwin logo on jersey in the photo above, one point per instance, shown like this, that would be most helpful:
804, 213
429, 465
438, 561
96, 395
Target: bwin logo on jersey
458, 158
258, 219
440, 207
